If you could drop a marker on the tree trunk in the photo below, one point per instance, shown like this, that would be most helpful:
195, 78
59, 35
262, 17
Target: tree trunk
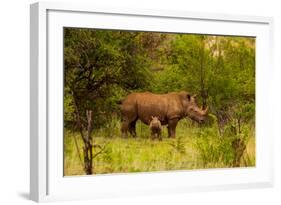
88, 145
88, 166
239, 147
87, 138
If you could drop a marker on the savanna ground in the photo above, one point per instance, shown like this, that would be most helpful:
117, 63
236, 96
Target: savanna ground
195, 147
102, 67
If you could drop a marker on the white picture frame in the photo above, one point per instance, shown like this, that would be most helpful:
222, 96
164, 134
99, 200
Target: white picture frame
46, 100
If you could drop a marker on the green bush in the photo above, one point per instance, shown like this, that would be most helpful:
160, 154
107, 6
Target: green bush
225, 150
213, 149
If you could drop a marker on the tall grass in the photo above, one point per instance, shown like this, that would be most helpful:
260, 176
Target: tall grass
193, 148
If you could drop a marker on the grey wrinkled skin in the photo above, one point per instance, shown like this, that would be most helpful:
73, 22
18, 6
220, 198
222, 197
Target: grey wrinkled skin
169, 108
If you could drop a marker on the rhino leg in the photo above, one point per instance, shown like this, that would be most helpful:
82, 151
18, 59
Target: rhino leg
153, 136
132, 128
172, 124
125, 128
128, 126
129, 118
160, 136
169, 131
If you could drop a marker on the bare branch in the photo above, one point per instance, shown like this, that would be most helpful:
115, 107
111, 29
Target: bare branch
102, 148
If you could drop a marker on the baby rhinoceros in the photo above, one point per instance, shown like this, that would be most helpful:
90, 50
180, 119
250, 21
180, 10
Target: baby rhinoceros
155, 128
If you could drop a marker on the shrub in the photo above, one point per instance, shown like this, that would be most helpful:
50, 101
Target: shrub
214, 151
226, 150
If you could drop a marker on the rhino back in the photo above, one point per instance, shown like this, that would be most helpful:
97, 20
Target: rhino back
165, 106
149, 104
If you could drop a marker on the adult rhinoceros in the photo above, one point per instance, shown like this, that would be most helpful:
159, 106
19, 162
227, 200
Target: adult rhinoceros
169, 108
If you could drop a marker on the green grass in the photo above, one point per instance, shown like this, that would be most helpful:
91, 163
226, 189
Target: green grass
189, 150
